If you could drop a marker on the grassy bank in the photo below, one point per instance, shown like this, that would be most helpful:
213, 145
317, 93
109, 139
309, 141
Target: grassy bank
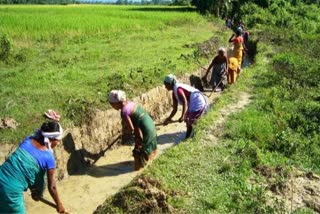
68, 58
231, 168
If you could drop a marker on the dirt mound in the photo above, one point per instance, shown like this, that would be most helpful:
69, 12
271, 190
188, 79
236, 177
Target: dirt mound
144, 195
8, 123
295, 189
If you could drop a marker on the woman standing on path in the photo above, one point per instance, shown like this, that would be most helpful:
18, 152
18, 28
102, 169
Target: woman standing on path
219, 66
238, 46
140, 124
26, 168
193, 102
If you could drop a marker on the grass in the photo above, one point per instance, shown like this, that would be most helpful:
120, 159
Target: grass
211, 177
62, 54
227, 176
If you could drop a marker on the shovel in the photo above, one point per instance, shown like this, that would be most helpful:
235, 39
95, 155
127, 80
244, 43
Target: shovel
49, 203
108, 147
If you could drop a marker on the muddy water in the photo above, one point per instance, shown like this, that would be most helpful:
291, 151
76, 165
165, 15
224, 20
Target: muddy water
83, 193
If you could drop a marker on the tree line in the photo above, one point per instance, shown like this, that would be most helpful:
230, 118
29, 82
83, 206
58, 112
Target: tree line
121, 2
63, 2
223, 8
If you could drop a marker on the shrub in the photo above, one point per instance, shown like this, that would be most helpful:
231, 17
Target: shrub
252, 125
5, 47
79, 110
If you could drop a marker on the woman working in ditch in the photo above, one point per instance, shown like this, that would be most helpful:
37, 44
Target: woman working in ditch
140, 125
26, 168
193, 102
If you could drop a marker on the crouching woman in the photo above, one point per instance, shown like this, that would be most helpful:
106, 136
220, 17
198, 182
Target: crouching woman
140, 125
194, 104
26, 168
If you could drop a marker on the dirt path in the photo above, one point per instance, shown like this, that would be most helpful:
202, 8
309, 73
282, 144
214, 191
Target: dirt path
84, 193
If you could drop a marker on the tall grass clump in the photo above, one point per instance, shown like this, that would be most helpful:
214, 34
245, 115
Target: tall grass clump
5, 47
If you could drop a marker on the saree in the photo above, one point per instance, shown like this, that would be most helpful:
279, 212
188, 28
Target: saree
218, 75
238, 49
18, 173
140, 118
232, 70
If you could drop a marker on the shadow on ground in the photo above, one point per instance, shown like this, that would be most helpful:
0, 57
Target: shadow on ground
170, 138
111, 169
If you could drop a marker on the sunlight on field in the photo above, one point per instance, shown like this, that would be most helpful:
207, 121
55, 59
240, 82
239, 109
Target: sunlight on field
67, 22
62, 53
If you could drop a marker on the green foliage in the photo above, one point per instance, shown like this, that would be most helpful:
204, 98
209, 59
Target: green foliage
75, 52
126, 200
216, 7
181, 2
79, 110
249, 152
5, 46
252, 125
129, 198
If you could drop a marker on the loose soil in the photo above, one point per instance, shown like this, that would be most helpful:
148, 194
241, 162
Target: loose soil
292, 190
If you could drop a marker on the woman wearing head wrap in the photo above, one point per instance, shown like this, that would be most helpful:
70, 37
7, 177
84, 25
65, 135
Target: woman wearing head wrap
140, 124
238, 45
219, 66
26, 168
193, 102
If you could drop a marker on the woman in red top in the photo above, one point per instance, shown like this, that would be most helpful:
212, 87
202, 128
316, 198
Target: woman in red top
238, 45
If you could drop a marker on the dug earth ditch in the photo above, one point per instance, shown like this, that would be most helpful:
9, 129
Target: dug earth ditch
93, 176
86, 188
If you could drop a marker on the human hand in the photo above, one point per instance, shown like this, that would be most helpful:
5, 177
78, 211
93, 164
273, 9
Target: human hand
35, 194
35, 197
138, 146
166, 121
204, 78
60, 208
181, 119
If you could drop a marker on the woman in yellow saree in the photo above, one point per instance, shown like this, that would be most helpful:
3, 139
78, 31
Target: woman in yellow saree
233, 70
237, 41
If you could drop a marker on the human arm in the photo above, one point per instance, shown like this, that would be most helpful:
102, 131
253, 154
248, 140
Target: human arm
129, 123
231, 38
209, 68
244, 47
138, 136
53, 191
173, 112
184, 101
227, 65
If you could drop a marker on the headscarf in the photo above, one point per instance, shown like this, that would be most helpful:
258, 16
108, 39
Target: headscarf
57, 135
116, 96
170, 79
52, 115
239, 31
222, 49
